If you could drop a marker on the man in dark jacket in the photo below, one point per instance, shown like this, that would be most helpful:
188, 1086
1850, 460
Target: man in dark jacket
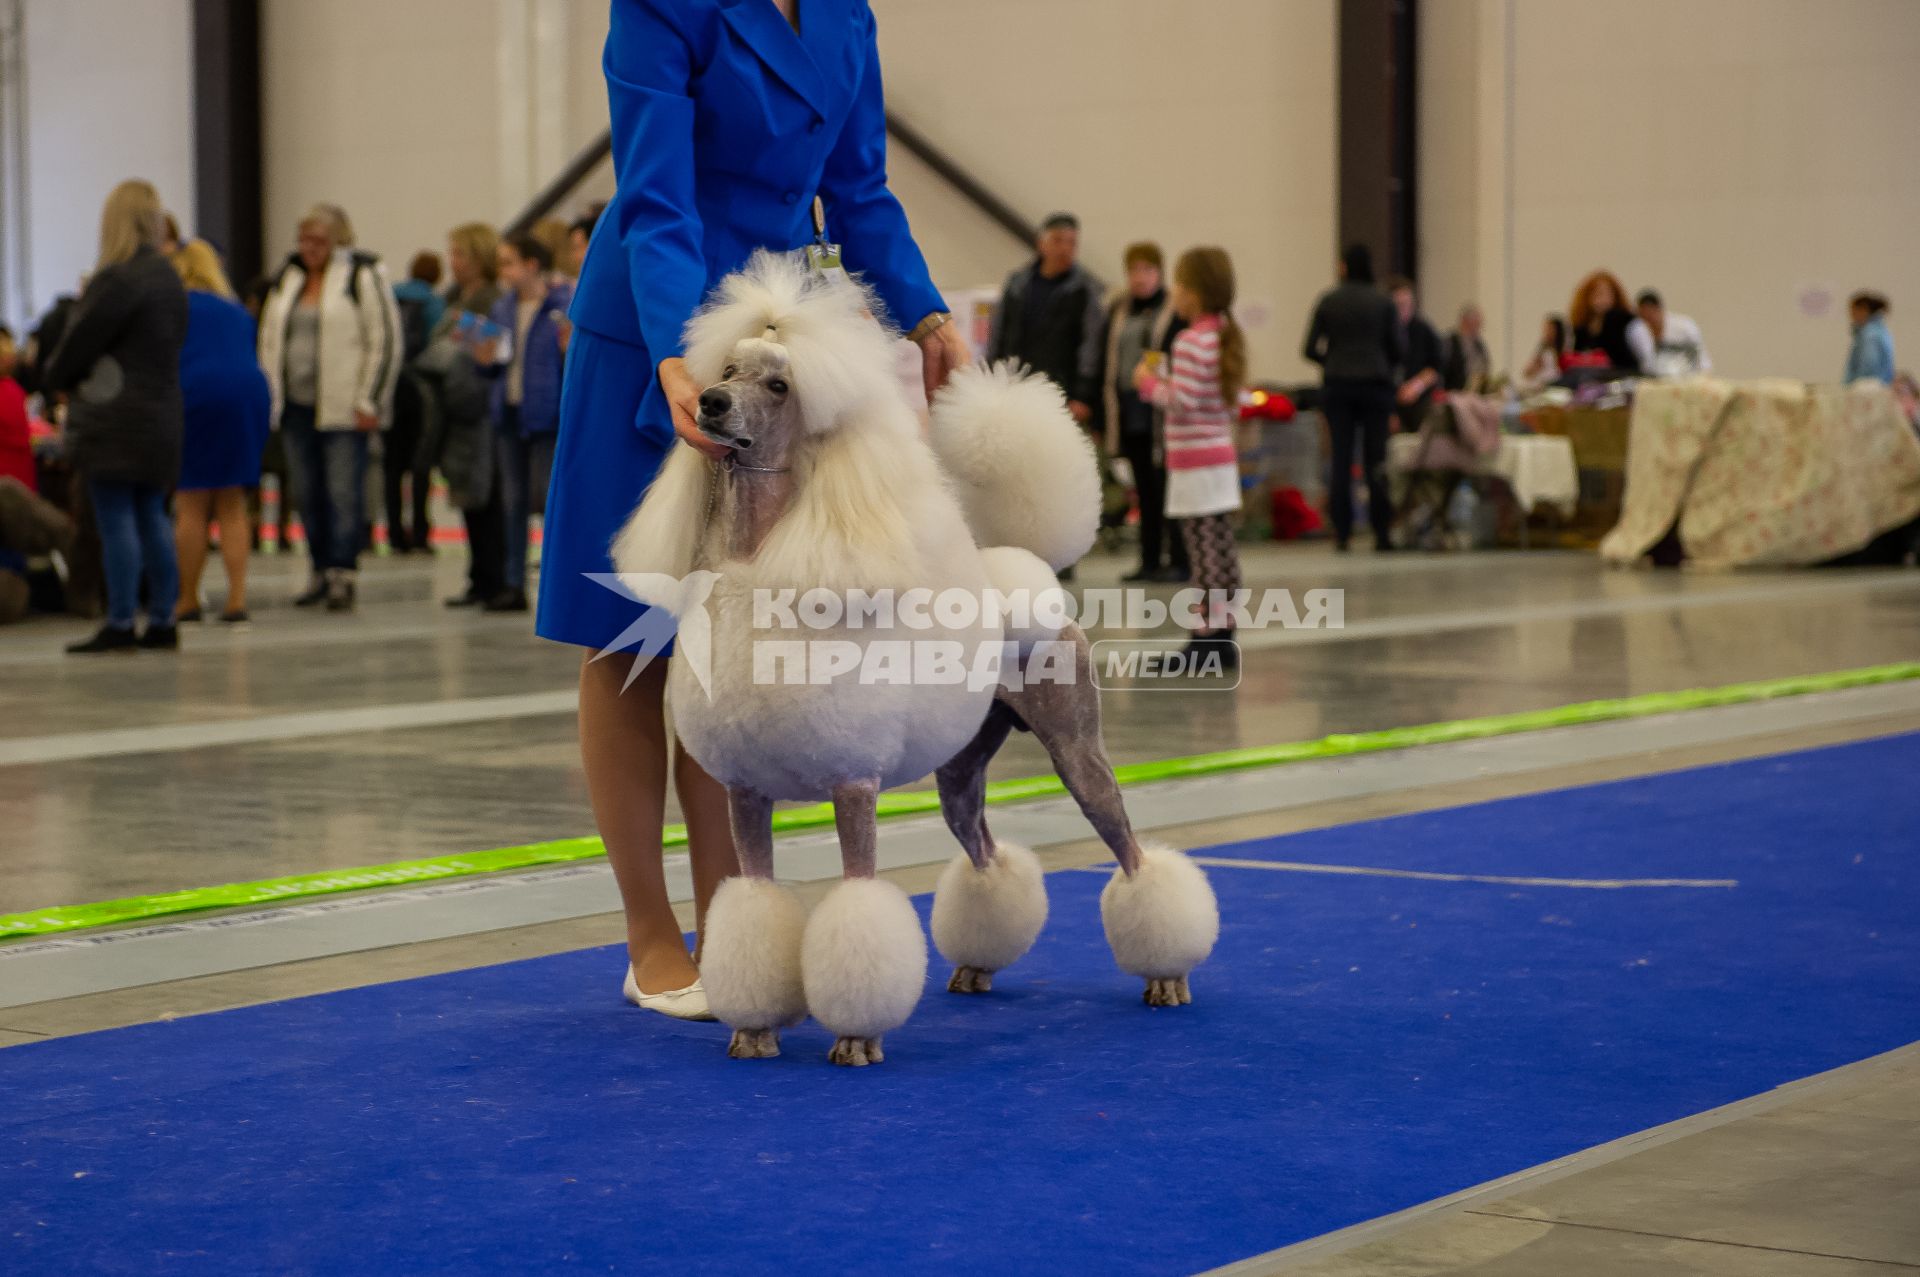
1051, 317
1140, 319
1421, 365
1355, 339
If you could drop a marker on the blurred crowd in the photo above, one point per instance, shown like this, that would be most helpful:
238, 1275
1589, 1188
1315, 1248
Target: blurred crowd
161, 412
151, 416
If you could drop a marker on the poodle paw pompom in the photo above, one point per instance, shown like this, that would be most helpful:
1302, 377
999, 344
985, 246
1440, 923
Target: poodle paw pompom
864, 960
985, 920
750, 964
1161, 923
754, 1044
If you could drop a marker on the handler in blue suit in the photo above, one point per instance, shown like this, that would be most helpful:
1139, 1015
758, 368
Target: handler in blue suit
729, 117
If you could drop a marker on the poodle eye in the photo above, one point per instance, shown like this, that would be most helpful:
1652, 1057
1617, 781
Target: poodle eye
730, 373
777, 386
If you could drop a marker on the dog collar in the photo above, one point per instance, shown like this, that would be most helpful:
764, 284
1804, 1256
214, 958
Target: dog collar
733, 462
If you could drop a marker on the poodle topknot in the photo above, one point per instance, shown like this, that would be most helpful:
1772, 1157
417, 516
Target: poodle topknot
841, 356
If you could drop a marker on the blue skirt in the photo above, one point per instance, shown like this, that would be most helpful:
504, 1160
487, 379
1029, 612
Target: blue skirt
615, 430
225, 435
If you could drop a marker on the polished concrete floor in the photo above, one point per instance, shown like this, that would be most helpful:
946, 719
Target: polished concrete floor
313, 741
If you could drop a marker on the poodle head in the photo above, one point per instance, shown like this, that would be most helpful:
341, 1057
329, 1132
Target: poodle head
776, 321
752, 408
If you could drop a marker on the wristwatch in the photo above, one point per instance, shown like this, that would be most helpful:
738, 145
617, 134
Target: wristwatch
931, 324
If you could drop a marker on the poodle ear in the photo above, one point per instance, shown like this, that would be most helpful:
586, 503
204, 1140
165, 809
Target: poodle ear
664, 533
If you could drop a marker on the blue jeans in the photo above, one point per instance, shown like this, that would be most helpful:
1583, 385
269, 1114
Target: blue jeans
525, 462
329, 473
136, 536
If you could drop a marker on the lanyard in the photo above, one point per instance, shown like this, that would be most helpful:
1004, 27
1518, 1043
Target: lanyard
823, 255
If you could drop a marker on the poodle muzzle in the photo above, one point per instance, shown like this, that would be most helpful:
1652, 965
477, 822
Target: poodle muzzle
720, 418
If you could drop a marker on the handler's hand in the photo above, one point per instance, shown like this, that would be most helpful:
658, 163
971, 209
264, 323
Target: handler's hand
942, 351
683, 395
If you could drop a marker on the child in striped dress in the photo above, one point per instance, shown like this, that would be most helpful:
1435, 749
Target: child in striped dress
1199, 394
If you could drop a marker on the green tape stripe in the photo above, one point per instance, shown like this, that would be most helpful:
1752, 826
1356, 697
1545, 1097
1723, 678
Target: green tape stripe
40, 922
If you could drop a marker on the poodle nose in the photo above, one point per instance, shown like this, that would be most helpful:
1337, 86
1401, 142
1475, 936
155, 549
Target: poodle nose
715, 403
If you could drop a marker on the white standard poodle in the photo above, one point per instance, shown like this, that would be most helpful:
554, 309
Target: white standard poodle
831, 496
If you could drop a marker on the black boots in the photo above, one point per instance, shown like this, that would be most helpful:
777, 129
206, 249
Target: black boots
108, 639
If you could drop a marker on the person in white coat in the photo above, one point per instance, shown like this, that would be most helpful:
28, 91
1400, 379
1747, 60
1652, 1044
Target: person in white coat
1669, 345
331, 346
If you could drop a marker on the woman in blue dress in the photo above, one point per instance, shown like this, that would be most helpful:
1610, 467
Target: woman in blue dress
729, 118
227, 423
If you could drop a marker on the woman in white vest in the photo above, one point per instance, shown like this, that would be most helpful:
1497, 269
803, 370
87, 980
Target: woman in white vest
330, 345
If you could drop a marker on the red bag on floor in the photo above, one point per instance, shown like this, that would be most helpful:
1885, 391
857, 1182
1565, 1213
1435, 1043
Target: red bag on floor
1293, 518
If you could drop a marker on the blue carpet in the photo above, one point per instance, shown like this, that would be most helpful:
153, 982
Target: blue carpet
1358, 1045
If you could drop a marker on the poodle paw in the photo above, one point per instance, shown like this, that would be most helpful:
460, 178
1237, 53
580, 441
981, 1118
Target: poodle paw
1168, 993
856, 1052
970, 980
754, 1044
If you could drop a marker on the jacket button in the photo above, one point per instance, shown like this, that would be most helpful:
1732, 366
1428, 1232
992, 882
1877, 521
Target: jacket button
792, 197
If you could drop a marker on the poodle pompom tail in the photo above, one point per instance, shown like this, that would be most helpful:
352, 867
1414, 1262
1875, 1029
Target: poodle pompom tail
1025, 471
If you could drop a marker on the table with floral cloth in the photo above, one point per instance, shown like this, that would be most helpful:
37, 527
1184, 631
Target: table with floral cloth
1764, 473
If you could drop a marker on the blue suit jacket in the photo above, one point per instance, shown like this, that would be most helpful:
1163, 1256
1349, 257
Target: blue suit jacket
726, 124
541, 373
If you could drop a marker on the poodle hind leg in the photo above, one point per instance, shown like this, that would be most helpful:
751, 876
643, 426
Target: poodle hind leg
1064, 715
750, 965
991, 901
1159, 910
863, 957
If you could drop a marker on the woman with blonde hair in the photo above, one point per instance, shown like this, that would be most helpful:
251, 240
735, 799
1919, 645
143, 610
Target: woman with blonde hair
330, 346
465, 449
1600, 319
227, 410
119, 366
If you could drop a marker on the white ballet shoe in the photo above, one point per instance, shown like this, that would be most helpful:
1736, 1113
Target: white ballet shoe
689, 1003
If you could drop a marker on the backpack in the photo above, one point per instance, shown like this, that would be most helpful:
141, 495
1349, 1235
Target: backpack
413, 327
362, 262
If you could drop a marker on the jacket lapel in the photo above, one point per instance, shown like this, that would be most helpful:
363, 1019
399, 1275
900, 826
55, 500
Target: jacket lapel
795, 57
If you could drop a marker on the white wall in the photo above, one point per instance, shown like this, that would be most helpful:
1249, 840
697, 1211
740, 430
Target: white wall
419, 115
109, 97
1183, 122
416, 116
1730, 153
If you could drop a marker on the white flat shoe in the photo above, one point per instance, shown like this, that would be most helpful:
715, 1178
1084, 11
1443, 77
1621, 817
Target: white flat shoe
689, 1003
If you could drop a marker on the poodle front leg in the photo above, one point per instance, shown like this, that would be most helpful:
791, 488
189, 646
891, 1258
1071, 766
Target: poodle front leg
1159, 910
864, 958
992, 897
751, 963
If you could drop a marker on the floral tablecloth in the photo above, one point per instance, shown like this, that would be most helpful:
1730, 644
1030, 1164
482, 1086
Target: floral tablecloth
1764, 473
